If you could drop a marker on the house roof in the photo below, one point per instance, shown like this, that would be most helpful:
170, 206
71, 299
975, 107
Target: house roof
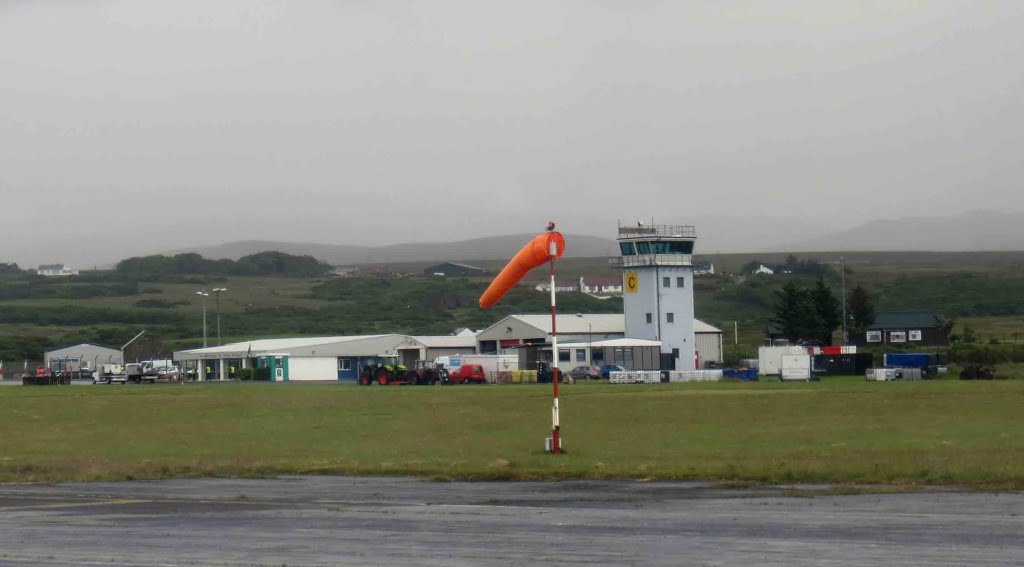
79, 347
611, 343
263, 347
603, 281
52, 267
598, 322
702, 327
443, 341
904, 320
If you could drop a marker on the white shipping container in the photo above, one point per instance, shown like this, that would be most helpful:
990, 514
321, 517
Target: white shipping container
769, 359
796, 367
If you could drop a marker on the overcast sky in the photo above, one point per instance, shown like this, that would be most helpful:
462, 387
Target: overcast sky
142, 126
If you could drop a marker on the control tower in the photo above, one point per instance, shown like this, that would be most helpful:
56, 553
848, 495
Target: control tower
657, 284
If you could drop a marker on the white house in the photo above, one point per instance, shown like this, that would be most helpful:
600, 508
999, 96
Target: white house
55, 270
764, 270
605, 285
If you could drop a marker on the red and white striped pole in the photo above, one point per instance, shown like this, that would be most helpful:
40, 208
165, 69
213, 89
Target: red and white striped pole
555, 445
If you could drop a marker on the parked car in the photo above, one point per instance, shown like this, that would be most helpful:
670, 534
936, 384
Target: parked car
468, 373
609, 368
585, 373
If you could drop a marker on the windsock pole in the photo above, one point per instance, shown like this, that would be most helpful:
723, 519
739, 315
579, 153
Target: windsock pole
555, 445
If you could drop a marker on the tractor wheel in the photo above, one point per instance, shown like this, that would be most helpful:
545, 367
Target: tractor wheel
383, 377
415, 377
365, 379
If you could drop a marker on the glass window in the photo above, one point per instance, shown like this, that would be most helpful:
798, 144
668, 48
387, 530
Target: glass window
627, 249
670, 317
874, 336
649, 319
624, 357
666, 282
344, 364
897, 336
581, 355
563, 355
675, 353
914, 335
680, 282
663, 247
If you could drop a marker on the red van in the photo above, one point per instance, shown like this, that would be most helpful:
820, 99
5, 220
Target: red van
468, 373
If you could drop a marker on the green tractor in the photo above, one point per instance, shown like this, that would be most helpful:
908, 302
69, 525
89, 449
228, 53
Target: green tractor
385, 370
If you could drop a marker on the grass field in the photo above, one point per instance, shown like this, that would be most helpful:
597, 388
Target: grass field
837, 431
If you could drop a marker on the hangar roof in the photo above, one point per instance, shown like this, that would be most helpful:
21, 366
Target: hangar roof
356, 345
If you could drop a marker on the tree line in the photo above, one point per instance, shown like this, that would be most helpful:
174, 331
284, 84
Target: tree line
803, 314
260, 264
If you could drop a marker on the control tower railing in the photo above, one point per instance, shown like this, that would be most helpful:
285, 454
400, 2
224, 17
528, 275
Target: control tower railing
651, 260
655, 230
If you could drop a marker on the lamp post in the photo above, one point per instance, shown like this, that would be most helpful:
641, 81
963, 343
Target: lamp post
590, 341
216, 292
204, 295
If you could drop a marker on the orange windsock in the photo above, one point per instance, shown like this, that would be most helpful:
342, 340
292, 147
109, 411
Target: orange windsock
535, 253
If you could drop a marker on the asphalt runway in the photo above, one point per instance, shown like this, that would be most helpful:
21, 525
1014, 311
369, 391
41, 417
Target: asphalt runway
386, 521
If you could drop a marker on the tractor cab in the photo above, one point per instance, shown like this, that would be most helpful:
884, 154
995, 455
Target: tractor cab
384, 370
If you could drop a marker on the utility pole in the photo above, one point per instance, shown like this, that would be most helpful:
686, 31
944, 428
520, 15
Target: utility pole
842, 272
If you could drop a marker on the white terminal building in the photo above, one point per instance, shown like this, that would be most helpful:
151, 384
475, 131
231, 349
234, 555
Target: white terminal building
657, 282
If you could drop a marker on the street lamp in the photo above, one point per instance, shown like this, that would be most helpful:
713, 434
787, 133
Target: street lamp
590, 341
217, 291
205, 295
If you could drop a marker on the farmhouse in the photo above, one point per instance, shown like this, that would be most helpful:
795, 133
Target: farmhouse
601, 285
52, 270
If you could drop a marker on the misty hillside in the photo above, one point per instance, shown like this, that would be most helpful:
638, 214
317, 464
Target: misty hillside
489, 248
971, 231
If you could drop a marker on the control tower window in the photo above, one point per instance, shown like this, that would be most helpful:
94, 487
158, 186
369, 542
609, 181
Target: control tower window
627, 249
664, 247
666, 282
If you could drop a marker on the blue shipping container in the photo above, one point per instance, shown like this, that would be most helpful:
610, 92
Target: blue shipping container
907, 360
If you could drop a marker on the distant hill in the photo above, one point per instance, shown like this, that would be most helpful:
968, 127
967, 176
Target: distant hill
489, 248
976, 230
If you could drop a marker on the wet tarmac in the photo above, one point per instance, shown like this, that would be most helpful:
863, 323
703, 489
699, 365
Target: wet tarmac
325, 520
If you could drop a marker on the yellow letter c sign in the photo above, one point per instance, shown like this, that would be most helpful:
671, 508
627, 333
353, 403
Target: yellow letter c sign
632, 283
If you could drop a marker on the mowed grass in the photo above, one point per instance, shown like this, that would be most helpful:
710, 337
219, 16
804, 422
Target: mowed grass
838, 431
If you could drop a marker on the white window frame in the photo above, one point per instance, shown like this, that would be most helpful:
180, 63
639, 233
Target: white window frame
897, 336
581, 355
873, 336
914, 335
